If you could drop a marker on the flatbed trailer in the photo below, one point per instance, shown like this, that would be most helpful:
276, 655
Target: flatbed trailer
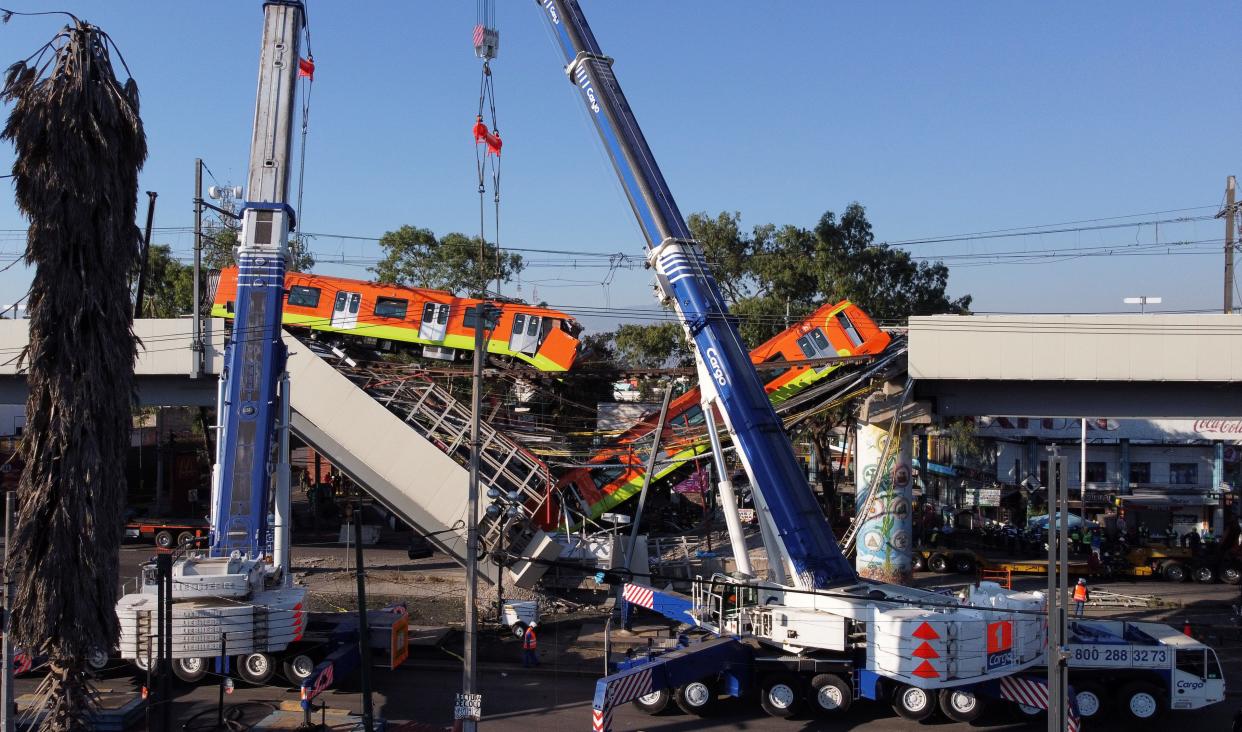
167, 533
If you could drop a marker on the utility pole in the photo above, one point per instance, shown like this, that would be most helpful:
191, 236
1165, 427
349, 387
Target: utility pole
196, 347
364, 629
146, 255
466, 710
1057, 578
1230, 214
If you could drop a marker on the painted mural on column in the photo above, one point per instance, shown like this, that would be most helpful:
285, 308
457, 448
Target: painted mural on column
884, 538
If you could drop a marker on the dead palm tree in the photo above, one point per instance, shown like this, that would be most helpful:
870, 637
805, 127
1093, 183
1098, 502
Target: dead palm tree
79, 146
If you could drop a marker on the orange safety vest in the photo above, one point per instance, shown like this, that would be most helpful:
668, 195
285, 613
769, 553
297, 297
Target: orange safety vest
529, 642
1080, 593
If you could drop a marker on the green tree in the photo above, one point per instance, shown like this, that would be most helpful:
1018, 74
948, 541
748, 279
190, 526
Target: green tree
653, 346
454, 262
887, 283
169, 290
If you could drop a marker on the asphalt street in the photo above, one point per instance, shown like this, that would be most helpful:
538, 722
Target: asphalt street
544, 700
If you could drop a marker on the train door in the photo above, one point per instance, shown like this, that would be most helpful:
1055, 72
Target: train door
435, 321
345, 310
525, 335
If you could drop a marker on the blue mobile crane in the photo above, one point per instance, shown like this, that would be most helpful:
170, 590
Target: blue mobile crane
812, 632
229, 601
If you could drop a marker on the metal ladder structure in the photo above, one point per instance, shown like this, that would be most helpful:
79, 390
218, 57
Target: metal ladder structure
444, 421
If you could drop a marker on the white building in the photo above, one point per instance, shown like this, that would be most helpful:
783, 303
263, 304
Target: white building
1167, 473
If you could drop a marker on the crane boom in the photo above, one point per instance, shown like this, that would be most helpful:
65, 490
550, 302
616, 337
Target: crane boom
246, 454
804, 542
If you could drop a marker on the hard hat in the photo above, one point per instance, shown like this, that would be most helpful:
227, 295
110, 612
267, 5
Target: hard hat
1082, 581
533, 624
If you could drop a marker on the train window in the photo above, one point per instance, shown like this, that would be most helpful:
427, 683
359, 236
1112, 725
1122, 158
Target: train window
519, 323
694, 416
391, 307
341, 298
354, 300
532, 326
1192, 662
429, 312
851, 332
815, 344
821, 342
604, 476
304, 297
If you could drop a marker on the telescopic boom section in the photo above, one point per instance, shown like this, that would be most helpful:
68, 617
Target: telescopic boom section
805, 542
246, 455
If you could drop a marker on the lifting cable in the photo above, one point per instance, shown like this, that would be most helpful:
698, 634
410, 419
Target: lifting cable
487, 141
306, 71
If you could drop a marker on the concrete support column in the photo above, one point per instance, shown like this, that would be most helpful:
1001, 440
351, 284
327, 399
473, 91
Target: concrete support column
1218, 478
923, 460
1123, 466
884, 537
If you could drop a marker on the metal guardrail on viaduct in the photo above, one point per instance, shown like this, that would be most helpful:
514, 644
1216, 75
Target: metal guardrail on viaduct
163, 371
1139, 366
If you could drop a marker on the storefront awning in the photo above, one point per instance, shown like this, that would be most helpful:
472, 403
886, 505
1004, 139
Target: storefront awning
1168, 500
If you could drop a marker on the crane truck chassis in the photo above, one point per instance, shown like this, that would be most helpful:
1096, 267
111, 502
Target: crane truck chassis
1135, 670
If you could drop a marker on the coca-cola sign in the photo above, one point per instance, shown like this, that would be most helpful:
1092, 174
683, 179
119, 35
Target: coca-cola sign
1221, 426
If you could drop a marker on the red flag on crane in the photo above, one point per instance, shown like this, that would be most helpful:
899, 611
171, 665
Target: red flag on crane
482, 134
306, 67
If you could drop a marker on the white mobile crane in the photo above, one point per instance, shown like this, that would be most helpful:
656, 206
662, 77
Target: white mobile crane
232, 602
813, 631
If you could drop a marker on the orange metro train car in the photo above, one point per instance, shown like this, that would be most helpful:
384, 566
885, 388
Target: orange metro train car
617, 470
439, 322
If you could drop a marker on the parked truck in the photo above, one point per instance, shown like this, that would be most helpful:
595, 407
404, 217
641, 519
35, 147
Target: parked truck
1139, 670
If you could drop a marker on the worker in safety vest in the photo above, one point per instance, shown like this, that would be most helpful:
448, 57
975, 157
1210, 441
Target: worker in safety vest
1081, 595
530, 645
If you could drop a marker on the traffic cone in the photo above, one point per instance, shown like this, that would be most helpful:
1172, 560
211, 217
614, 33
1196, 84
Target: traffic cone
1186, 626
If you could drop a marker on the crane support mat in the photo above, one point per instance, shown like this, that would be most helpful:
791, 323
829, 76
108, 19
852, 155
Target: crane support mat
291, 716
117, 711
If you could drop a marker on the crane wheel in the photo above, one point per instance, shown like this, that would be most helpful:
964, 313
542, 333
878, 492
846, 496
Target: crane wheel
913, 703
298, 668
830, 694
961, 705
185, 539
938, 563
1204, 574
697, 697
190, 670
97, 660
780, 695
1091, 701
1140, 702
164, 539
256, 668
1231, 574
919, 562
655, 702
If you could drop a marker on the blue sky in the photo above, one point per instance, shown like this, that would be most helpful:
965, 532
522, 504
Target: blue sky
940, 118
